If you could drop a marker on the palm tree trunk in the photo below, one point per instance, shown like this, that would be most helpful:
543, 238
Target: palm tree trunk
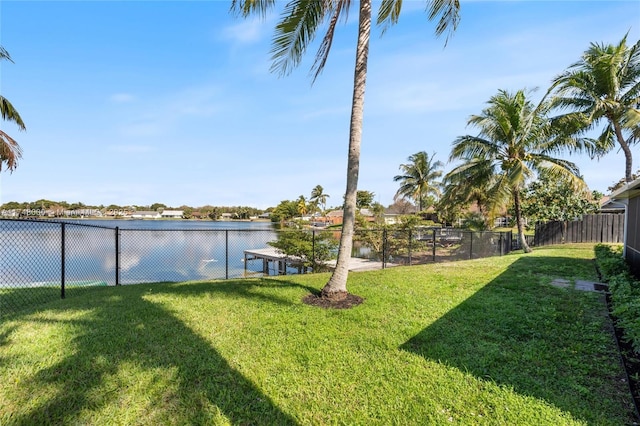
521, 237
336, 288
627, 151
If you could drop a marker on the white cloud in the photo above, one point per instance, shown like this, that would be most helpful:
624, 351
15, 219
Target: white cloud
247, 31
121, 98
159, 115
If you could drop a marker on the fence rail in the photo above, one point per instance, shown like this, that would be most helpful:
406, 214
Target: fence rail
42, 260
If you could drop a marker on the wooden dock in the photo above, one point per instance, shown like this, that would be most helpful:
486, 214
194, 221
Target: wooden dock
273, 259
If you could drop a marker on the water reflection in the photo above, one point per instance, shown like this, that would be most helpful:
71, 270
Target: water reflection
31, 253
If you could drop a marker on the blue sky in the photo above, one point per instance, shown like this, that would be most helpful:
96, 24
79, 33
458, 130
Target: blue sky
137, 102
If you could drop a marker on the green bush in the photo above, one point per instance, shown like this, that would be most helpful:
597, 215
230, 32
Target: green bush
609, 260
310, 249
624, 290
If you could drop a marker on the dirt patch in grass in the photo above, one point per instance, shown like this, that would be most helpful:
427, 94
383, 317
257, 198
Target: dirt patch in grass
344, 301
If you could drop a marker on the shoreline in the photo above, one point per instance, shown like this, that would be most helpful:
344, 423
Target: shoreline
130, 218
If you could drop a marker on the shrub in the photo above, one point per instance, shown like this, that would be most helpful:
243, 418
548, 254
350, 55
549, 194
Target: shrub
609, 260
624, 290
312, 249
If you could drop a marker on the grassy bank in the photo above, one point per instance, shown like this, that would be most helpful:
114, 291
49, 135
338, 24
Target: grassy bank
487, 341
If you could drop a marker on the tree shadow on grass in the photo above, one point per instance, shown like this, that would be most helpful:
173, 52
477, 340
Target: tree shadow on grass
541, 341
13, 300
184, 380
258, 289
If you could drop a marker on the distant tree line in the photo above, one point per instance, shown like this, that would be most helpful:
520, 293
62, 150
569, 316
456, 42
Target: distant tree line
203, 212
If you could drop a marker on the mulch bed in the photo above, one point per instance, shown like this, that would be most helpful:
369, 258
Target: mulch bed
342, 301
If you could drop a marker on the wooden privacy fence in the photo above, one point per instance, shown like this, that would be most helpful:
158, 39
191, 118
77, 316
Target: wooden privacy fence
592, 228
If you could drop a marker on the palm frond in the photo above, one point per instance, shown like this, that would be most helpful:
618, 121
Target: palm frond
606, 141
294, 33
449, 13
342, 8
389, 13
9, 113
10, 151
4, 54
468, 147
558, 172
249, 7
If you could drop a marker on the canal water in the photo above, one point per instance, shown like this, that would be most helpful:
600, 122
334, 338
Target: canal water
32, 253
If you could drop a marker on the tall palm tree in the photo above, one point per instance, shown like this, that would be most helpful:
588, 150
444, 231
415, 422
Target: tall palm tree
419, 178
300, 21
604, 85
516, 141
10, 151
319, 197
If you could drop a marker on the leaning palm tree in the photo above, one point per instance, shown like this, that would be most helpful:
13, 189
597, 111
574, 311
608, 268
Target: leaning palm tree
419, 178
10, 151
515, 143
604, 85
300, 21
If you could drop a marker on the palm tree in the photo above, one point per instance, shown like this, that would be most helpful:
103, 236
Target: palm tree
418, 180
10, 151
294, 33
604, 85
516, 141
461, 191
318, 197
302, 206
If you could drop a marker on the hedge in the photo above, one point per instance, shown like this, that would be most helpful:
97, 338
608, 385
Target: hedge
624, 291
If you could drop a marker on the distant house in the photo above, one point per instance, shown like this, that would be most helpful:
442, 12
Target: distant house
175, 214
629, 197
391, 218
368, 215
393, 214
226, 216
334, 217
607, 205
146, 214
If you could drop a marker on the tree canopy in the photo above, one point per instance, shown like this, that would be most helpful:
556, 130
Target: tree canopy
603, 86
557, 200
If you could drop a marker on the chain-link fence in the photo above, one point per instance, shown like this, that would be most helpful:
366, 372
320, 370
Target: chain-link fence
424, 245
44, 260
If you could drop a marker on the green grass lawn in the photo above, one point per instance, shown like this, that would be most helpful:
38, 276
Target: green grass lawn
485, 341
